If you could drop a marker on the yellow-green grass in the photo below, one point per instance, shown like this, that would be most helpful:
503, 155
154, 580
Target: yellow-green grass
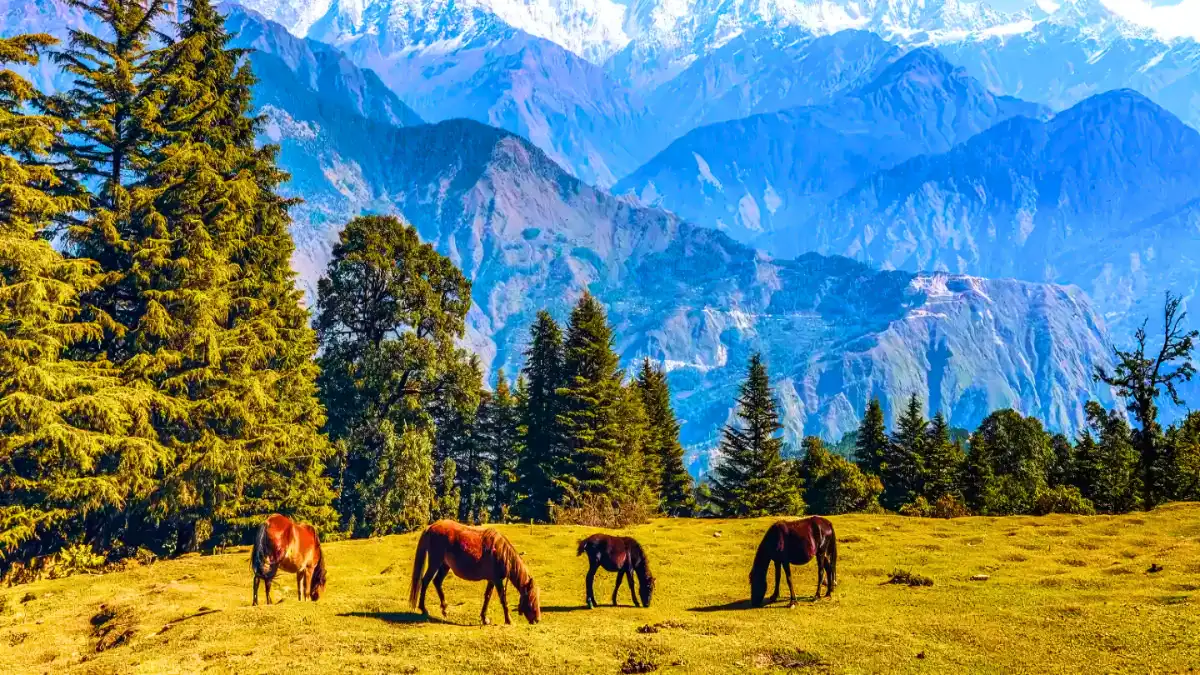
1063, 594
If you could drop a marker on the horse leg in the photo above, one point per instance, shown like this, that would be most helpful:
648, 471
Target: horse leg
487, 596
255, 603
821, 574
267, 583
308, 575
425, 581
591, 580
787, 570
300, 586
437, 584
501, 591
620, 576
775, 595
632, 594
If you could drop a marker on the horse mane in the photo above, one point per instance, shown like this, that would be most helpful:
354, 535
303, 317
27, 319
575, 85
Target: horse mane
643, 563
318, 576
772, 542
503, 551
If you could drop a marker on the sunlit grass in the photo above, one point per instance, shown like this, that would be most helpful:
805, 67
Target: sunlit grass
1063, 594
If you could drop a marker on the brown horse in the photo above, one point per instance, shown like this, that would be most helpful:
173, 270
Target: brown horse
789, 542
622, 555
283, 544
475, 554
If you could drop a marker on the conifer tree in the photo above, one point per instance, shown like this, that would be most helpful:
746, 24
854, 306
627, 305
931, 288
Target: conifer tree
499, 419
902, 469
591, 399
871, 441
942, 461
1109, 465
1182, 461
1007, 464
833, 485
75, 445
543, 455
752, 478
397, 495
630, 474
1063, 468
675, 483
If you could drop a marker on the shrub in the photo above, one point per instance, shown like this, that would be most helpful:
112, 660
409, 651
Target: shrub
602, 511
908, 578
1063, 499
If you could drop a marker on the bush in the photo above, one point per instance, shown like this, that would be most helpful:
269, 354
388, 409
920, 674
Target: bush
908, 578
918, 508
79, 559
1063, 499
601, 511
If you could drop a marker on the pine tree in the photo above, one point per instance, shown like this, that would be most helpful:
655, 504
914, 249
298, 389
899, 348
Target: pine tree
752, 478
871, 441
499, 421
902, 468
1109, 465
1007, 464
674, 482
591, 399
1062, 469
398, 495
942, 461
630, 474
74, 443
543, 454
1182, 461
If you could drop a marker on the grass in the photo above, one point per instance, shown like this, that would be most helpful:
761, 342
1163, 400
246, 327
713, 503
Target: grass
1063, 593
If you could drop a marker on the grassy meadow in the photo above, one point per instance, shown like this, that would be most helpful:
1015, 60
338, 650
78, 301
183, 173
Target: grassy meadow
1063, 594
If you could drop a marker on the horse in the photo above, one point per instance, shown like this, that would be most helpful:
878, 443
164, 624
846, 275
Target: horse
789, 542
283, 544
622, 555
474, 554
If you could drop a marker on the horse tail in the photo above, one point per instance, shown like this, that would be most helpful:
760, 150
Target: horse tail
259, 559
583, 546
414, 589
832, 557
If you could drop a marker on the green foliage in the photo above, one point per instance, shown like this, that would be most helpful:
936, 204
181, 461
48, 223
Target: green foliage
389, 311
1144, 373
1182, 461
497, 435
1107, 465
591, 396
833, 485
663, 449
1062, 499
903, 469
871, 442
397, 495
752, 479
1007, 464
942, 460
448, 496
543, 454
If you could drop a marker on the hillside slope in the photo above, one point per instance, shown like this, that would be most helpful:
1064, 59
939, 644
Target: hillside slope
1062, 591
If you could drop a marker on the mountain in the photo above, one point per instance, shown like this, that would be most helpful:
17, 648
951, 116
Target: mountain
767, 71
762, 177
462, 60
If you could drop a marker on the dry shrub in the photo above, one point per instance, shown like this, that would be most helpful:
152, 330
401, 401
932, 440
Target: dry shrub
634, 664
113, 626
946, 506
601, 511
908, 578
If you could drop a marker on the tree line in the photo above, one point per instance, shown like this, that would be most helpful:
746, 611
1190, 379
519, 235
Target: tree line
1009, 465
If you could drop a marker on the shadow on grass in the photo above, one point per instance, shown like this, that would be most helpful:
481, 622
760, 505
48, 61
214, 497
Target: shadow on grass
398, 617
558, 609
745, 604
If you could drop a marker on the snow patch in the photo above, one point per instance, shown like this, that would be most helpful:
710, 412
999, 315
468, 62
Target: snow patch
706, 174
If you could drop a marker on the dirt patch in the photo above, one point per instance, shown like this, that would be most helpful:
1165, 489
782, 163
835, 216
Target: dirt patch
637, 664
651, 628
113, 626
1073, 562
790, 659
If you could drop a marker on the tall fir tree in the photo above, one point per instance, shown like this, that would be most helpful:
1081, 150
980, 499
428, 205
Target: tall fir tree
75, 445
591, 395
902, 469
543, 455
752, 478
941, 460
676, 494
499, 440
630, 474
871, 441
1108, 467
1182, 461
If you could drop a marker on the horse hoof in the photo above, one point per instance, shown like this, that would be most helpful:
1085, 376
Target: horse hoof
791, 605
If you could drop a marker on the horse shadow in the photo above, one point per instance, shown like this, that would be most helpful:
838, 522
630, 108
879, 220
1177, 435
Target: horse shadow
557, 609
737, 605
398, 617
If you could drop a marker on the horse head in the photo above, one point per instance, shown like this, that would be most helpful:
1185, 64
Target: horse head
530, 606
317, 588
758, 587
646, 589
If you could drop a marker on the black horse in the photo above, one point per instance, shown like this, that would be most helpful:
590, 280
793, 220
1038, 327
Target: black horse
622, 555
794, 542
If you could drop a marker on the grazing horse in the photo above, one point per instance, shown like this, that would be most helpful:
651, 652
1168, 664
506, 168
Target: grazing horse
622, 555
283, 544
789, 542
475, 554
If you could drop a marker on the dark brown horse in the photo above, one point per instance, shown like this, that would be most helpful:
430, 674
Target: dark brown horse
284, 545
475, 554
622, 555
795, 542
